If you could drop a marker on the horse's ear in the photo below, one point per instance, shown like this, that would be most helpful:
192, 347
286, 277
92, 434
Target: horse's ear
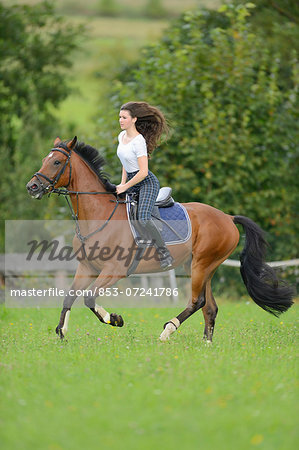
57, 141
72, 143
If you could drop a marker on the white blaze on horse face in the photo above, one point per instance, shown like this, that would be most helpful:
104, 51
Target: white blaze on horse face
50, 155
66, 322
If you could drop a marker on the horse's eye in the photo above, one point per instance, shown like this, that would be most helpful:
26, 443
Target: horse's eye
56, 163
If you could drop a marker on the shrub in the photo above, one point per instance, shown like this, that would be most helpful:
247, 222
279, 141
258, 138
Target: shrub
234, 126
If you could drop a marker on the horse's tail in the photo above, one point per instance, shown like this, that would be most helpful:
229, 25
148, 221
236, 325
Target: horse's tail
262, 284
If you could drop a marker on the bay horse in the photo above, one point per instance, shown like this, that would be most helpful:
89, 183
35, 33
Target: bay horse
75, 170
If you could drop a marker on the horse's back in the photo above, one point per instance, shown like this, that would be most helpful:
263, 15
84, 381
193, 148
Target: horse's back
212, 228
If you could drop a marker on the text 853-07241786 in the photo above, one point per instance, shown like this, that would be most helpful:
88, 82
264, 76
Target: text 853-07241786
138, 292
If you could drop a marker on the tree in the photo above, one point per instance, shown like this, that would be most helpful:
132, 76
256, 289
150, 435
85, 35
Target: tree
35, 48
234, 122
277, 21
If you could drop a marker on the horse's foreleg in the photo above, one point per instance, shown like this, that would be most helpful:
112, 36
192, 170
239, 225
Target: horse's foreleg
82, 279
104, 316
62, 326
104, 281
198, 300
209, 312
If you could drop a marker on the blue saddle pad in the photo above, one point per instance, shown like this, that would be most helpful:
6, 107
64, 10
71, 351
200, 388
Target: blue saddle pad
175, 224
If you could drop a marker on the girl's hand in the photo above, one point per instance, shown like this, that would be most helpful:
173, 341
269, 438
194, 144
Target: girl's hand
121, 188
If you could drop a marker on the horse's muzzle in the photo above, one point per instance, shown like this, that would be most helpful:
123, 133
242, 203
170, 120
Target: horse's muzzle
35, 189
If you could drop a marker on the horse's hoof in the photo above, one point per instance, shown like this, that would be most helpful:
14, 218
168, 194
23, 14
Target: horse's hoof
116, 320
59, 332
163, 337
169, 328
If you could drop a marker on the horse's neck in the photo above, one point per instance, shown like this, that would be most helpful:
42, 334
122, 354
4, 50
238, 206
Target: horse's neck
93, 206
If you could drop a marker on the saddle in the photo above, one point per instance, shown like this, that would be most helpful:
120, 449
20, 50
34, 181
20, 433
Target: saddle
164, 200
170, 218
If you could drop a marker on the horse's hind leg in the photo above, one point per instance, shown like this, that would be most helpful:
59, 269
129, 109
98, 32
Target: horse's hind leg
198, 300
209, 311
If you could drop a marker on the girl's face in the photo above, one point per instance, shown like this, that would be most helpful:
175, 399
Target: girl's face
126, 121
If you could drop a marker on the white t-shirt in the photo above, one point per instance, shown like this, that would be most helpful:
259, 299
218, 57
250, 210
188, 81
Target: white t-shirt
128, 153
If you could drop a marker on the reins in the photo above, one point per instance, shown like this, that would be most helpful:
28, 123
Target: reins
76, 218
65, 192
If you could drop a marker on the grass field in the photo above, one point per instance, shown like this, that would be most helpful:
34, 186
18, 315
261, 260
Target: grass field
123, 389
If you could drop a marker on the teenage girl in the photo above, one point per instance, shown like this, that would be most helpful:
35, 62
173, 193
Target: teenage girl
142, 126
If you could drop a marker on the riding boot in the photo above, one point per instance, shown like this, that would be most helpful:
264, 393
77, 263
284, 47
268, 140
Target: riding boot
165, 257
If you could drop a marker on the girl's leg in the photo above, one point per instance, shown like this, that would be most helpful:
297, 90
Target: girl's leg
148, 193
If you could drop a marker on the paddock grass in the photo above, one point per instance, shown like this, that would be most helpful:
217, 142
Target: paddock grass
120, 388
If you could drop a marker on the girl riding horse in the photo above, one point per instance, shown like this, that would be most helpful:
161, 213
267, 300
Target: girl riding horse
142, 126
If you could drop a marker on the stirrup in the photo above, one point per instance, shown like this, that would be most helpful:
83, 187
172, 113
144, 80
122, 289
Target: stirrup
166, 260
141, 242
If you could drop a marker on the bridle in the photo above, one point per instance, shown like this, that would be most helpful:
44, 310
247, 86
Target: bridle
55, 180
65, 192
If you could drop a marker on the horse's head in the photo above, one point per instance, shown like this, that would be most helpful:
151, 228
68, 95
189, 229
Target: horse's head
55, 171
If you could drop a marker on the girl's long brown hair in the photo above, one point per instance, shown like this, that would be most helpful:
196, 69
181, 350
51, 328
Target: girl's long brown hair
150, 122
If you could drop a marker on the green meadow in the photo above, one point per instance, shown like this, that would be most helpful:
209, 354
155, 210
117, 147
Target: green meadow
114, 388
121, 388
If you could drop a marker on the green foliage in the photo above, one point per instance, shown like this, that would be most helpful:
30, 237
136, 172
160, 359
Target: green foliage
234, 141
35, 48
154, 9
278, 23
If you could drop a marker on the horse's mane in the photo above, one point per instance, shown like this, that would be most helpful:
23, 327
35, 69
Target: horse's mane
93, 159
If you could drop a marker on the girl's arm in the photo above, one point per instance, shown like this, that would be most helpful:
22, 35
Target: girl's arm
123, 176
143, 172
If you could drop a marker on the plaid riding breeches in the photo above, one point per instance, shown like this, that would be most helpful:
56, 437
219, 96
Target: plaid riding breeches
147, 190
